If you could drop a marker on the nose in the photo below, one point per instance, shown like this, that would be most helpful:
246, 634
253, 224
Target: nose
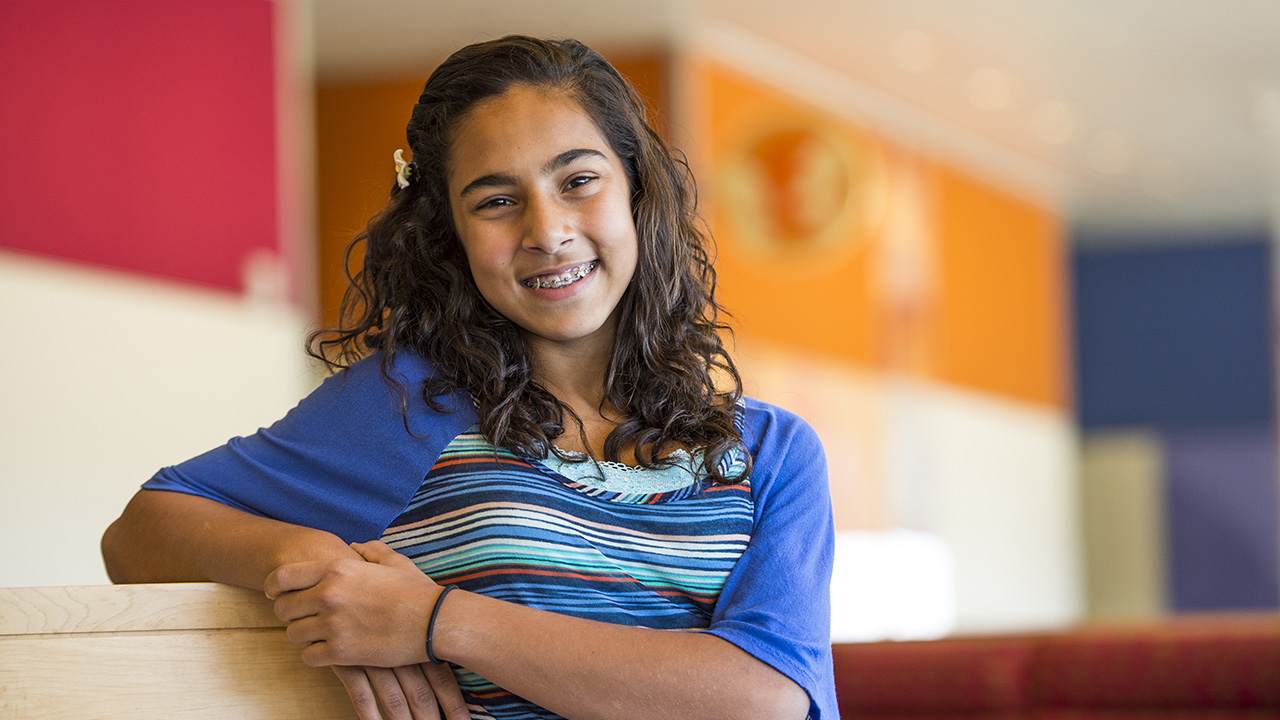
548, 226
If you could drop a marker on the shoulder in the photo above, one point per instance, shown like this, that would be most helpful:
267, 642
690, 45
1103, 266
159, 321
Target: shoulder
366, 393
347, 459
373, 385
367, 373
789, 466
768, 429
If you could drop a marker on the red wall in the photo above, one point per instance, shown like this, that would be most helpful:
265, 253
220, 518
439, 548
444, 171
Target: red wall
139, 134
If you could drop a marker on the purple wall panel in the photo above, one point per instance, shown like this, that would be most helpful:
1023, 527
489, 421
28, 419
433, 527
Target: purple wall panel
1222, 498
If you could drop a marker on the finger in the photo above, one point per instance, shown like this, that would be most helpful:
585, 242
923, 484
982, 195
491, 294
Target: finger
306, 631
422, 700
294, 576
319, 654
379, 552
297, 604
444, 685
359, 690
389, 693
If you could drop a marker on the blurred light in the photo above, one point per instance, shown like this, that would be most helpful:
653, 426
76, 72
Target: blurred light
264, 277
1109, 153
1053, 123
1162, 179
894, 585
989, 88
915, 51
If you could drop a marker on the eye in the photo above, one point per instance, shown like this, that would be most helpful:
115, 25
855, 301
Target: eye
495, 202
578, 181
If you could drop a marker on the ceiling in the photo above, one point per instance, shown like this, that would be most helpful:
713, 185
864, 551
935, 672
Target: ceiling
1161, 117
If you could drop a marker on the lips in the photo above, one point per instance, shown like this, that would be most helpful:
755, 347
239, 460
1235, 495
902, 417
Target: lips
562, 278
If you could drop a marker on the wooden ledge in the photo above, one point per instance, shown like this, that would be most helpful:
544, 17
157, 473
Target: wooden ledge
132, 608
189, 650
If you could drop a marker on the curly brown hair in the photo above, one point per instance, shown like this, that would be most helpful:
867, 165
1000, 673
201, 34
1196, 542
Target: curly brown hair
415, 291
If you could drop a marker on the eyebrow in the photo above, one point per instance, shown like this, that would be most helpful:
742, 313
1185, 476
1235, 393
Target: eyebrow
569, 156
504, 180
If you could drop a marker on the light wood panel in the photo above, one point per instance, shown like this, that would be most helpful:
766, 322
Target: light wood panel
195, 650
128, 608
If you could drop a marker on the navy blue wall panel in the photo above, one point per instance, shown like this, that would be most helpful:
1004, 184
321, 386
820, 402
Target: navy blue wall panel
1174, 336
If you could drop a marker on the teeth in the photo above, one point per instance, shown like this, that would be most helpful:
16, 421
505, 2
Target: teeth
568, 277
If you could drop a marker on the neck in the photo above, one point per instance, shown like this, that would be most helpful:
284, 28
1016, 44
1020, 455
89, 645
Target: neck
575, 374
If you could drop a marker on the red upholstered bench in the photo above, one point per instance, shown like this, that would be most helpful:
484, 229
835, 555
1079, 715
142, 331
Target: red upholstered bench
969, 679
1184, 669
1207, 669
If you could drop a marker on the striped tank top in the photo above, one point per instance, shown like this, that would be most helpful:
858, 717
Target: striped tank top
514, 529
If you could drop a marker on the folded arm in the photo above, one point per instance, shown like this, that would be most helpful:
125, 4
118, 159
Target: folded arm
377, 612
174, 537
585, 669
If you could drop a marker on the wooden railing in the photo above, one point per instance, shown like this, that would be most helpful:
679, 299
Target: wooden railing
191, 650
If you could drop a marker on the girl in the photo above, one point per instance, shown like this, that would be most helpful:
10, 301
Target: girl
526, 445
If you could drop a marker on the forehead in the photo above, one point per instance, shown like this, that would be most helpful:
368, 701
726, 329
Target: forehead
520, 129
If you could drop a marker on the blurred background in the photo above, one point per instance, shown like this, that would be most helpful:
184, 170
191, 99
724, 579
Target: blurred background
1012, 261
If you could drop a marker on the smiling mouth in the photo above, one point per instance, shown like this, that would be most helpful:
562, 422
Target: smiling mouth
563, 279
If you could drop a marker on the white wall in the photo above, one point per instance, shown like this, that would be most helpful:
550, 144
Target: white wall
106, 377
1006, 500
994, 479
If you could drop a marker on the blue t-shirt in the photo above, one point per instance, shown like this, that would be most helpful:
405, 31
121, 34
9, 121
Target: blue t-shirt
750, 563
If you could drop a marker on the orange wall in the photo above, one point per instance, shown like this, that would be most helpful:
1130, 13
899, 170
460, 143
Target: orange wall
1004, 322
932, 273
815, 301
358, 128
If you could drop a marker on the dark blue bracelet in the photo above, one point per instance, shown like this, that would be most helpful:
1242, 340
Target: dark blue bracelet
431, 624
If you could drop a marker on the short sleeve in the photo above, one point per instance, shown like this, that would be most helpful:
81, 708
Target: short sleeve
346, 459
776, 603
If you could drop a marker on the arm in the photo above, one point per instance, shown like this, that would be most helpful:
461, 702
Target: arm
584, 669
774, 607
377, 613
174, 537
341, 462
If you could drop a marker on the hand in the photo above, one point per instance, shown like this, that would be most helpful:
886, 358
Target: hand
356, 612
414, 692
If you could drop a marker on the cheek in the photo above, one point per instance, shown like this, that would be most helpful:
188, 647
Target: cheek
489, 286
475, 267
488, 276
617, 223
482, 254
631, 244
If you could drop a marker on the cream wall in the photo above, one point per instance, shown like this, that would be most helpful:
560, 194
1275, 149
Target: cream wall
993, 479
107, 378
1122, 495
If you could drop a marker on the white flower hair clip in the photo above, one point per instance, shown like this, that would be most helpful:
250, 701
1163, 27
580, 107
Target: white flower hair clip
404, 170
